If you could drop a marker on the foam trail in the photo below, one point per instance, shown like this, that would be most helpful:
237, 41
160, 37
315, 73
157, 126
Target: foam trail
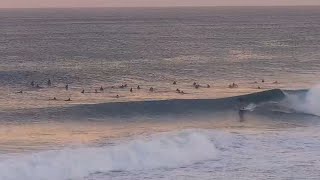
168, 150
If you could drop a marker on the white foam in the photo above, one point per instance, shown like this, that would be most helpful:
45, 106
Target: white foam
167, 150
310, 104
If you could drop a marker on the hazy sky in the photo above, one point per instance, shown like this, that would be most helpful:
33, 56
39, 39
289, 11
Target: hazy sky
135, 3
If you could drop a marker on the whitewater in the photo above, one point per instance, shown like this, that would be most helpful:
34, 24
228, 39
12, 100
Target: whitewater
109, 131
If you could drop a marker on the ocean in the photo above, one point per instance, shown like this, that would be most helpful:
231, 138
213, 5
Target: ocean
224, 93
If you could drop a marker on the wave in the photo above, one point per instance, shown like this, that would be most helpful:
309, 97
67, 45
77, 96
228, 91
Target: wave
167, 150
166, 107
271, 103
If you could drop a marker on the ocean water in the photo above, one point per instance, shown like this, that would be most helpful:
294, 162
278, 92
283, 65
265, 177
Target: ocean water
271, 53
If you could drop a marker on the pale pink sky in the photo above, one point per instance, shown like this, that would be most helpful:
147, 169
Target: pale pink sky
137, 3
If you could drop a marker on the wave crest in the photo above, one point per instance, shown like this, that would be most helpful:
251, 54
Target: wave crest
169, 150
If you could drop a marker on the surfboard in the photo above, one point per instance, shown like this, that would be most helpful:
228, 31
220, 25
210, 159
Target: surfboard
250, 107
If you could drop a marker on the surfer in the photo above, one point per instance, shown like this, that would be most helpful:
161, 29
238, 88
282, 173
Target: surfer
19, 92
241, 110
241, 114
117, 96
82, 91
151, 89
174, 82
68, 99
233, 85
208, 86
32, 83
101, 88
138, 87
178, 90
131, 90
49, 82
67, 87
53, 99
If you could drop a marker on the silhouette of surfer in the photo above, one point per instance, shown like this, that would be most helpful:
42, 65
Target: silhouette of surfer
49, 82
233, 85
241, 110
241, 114
53, 99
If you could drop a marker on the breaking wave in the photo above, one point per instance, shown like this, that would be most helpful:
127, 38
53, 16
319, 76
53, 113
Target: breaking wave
270, 103
163, 107
306, 102
166, 150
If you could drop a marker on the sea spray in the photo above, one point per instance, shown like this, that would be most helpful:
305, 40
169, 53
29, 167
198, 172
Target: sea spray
309, 103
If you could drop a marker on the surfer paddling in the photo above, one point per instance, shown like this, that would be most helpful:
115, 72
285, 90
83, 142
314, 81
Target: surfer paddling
53, 99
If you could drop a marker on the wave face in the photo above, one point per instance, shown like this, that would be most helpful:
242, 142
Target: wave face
273, 104
168, 150
161, 107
